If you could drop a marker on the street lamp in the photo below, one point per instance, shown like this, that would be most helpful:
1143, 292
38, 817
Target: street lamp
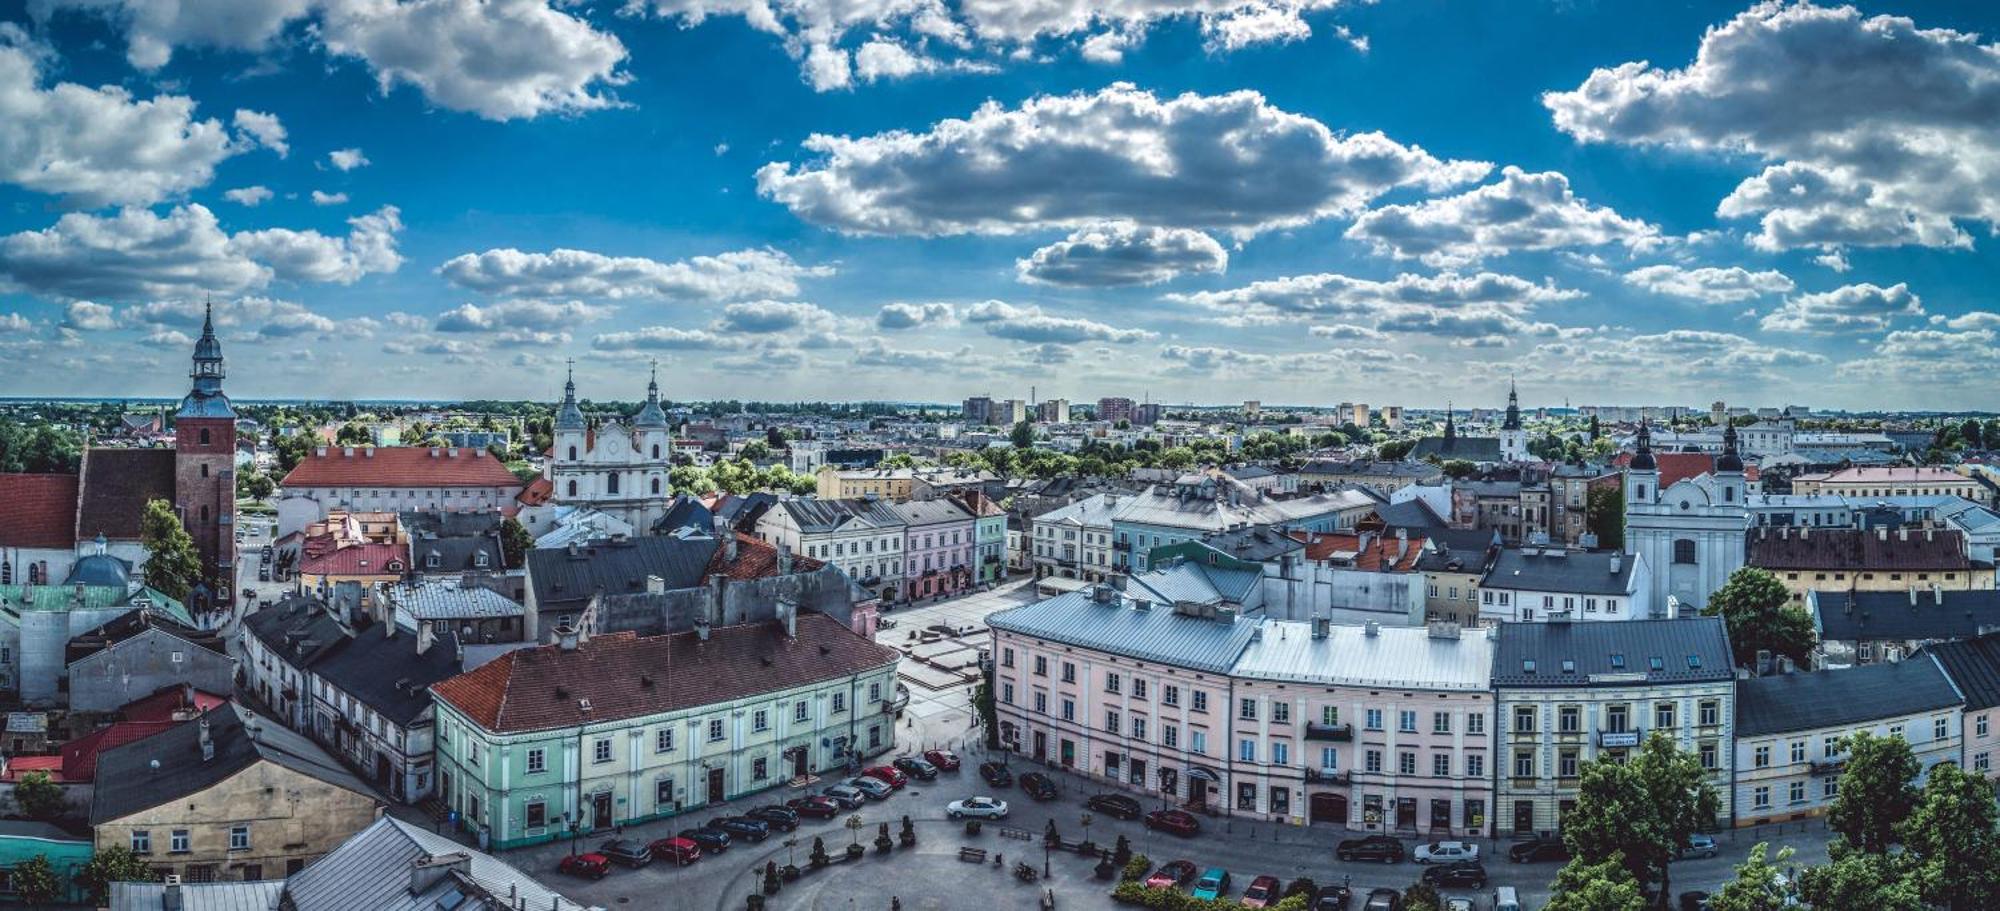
1086, 828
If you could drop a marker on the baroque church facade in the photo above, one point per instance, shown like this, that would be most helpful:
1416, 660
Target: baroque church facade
616, 467
1691, 533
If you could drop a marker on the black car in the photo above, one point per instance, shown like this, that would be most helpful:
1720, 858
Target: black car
1383, 900
916, 768
711, 840
1379, 848
1332, 898
1538, 849
1115, 805
781, 818
1456, 875
744, 827
996, 774
626, 851
1039, 786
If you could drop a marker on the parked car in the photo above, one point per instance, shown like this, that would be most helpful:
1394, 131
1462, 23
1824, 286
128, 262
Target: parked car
679, 851
874, 788
845, 796
1262, 892
626, 851
595, 866
1214, 883
744, 827
780, 818
818, 806
1179, 822
1698, 845
1039, 786
713, 841
915, 768
996, 774
976, 808
1117, 806
1371, 847
1460, 904
1444, 852
945, 760
1535, 850
1458, 874
1171, 874
888, 775
1696, 900
1383, 900
1332, 898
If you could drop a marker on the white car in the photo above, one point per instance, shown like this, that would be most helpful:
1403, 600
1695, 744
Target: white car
976, 808
1444, 852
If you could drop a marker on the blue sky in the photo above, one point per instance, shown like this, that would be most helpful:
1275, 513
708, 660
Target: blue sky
1314, 201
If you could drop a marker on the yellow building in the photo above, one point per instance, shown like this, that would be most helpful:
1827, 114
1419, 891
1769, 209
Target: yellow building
1898, 481
848, 483
1869, 560
233, 796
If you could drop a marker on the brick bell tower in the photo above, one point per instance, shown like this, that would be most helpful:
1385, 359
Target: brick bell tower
205, 467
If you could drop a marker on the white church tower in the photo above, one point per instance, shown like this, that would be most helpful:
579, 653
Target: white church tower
1513, 439
618, 469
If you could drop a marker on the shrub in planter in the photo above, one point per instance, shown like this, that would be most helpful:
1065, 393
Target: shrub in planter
755, 902
908, 836
818, 858
1123, 852
972, 827
882, 841
1105, 869
1302, 886
771, 883
1086, 847
1137, 867
789, 872
1130, 892
854, 852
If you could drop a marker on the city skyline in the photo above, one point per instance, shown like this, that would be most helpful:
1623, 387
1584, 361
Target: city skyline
1295, 201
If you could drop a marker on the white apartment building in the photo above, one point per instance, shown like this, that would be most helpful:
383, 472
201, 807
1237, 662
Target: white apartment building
863, 537
1074, 541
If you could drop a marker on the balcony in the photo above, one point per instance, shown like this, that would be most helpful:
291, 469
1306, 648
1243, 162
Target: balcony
1618, 739
1832, 766
1125, 546
1336, 733
1329, 776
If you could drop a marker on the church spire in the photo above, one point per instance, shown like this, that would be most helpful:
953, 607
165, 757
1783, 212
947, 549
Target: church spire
1643, 460
650, 416
1731, 459
1450, 431
205, 398
1513, 421
569, 417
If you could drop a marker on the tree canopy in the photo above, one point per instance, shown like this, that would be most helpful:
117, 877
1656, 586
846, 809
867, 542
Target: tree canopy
172, 565
1641, 811
1758, 611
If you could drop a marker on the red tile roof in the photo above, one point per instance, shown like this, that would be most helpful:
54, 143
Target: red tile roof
77, 763
1854, 549
38, 510
754, 560
1679, 466
400, 466
357, 560
538, 492
162, 705
1381, 549
624, 675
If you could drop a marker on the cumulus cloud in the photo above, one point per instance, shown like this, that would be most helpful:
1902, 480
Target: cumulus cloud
561, 273
875, 353
99, 146
532, 315
909, 316
250, 316
765, 317
347, 159
247, 196
1226, 162
88, 315
1498, 299
1123, 253
138, 253
1709, 284
1348, 332
1522, 211
264, 130
1029, 324
1877, 132
499, 59
665, 338
1853, 308
328, 199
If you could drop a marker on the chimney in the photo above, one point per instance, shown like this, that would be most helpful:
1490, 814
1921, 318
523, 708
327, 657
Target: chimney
1322, 627
171, 898
1881, 532
1372, 629
566, 637
701, 628
784, 556
388, 618
425, 638
1913, 596
1442, 629
655, 585
1617, 562
788, 614
367, 452
207, 742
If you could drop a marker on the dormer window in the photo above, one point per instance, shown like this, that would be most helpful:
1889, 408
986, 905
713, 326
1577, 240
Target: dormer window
431, 560
479, 559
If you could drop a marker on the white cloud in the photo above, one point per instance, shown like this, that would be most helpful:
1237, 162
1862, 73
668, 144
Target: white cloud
1348, 332
1709, 284
517, 315
255, 317
1878, 132
98, 146
1029, 324
153, 28
1333, 294
1228, 162
909, 316
1123, 253
1853, 308
737, 275
876, 353
347, 159
665, 338
328, 199
247, 196
168, 338
765, 317
263, 129
88, 316
137, 253
1522, 211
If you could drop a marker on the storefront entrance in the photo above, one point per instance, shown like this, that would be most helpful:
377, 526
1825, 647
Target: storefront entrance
1329, 808
600, 811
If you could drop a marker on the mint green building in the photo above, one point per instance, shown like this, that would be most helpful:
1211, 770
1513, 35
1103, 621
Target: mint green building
621, 729
21, 840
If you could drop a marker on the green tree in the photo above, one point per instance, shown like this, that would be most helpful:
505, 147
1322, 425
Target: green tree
172, 567
39, 797
255, 485
1459, 468
1953, 837
1758, 611
1395, 450
1857, 879
1604, 511
36, 881
689, 479
515, 542
1876, 793
897, 460
755, 450
1422, 896
1602, 886
1595, 432
291, 451
1641, 811
353, 433
1023, 435
1759, 884
115, 864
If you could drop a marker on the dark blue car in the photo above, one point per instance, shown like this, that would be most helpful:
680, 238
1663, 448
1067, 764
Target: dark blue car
744, 827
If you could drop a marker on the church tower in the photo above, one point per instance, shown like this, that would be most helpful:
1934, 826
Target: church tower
205, 466
1513, 439
1642, 477
1729, 481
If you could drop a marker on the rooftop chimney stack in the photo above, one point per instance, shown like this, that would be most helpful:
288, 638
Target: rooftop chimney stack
207, 742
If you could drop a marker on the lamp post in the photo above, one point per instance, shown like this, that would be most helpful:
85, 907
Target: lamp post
1087, 819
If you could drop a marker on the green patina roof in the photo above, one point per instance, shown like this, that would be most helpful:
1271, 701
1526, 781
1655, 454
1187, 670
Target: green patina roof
19, 598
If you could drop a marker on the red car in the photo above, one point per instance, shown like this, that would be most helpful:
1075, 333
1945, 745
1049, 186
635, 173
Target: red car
595, 866
1262, 893
815, 806
889, 775
1179, 822
681, 851
945, 760
1171, 874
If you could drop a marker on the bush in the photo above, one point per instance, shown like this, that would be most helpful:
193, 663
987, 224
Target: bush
1134, 893
818, 858
1137, 868
972, 827
1302, 886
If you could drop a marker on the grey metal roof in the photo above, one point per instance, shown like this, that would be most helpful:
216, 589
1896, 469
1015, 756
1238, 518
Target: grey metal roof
1399, 469
1973, 665
1409, 514
1907, 616
261, 895
814, 515
448, 599
570, 575
1154, 634
1257, 543
930, 512
1391, 656
1184, 580
1612, 653
386, 673
1098, 511
371, 872
1839, 697
297, 627
128, 783
1545, 569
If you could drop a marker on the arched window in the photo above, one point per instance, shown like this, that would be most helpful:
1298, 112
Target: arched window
204, 436
656, 450
1684, 551
656, 485
572, 457
572, 487
35, 574
611, 483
